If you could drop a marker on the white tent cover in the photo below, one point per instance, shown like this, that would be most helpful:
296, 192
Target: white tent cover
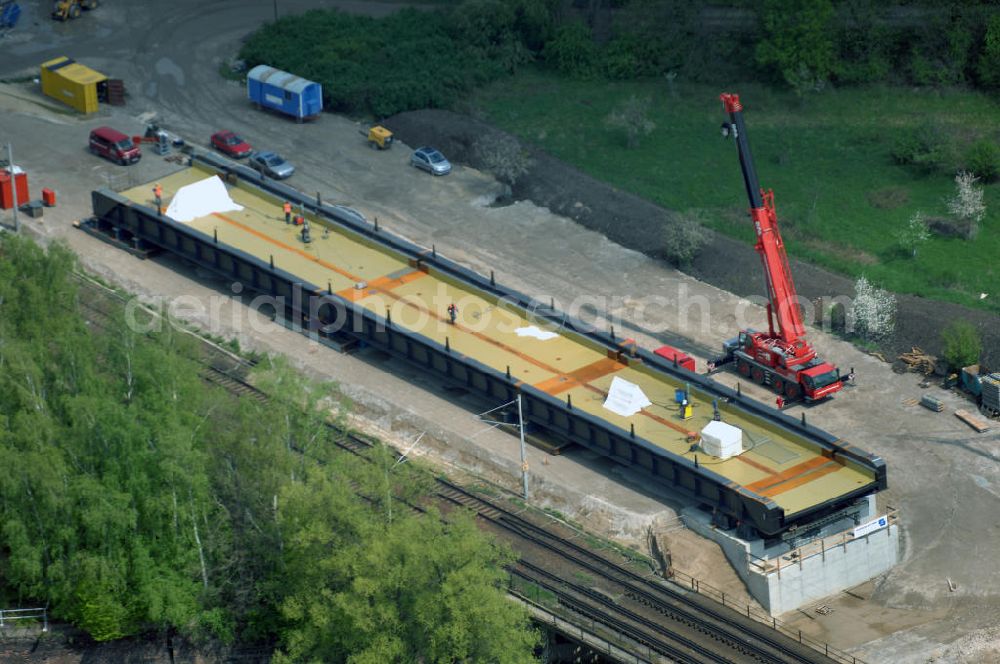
625, 398
200, 199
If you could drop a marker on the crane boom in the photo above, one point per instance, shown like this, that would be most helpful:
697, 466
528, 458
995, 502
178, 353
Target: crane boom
782, 298
781, 358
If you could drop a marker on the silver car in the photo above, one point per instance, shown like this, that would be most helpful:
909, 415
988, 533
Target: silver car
271, 164
431, 161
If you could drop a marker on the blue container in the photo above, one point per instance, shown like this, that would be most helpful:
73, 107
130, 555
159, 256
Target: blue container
281, 91
9, 13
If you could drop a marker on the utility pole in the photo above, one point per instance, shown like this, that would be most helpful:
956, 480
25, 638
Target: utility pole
13, 187
524, 458
275, 11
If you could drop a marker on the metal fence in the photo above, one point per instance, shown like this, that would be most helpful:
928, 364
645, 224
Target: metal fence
9, 617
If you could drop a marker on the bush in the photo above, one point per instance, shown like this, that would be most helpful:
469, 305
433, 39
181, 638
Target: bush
682, 240
962, 345
797, 41
487, 28
988, 66
920, 149
503, 156
862, 43
572, 50
910, 237
631, 56
983, 160
632, 115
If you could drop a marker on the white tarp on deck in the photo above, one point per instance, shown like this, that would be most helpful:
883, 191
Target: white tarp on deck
625, 398
534, 331
200, 199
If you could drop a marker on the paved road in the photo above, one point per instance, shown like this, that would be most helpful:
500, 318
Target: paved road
945, 479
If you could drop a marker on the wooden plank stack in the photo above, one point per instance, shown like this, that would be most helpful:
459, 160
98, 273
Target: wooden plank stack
977, 423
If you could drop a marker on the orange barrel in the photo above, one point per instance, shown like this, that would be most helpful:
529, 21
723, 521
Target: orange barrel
21, 187
6, 191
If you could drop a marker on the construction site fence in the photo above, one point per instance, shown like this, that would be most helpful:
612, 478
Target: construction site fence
729, 601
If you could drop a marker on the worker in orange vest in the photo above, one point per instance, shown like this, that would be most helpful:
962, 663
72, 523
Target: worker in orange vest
158, 195
288, 212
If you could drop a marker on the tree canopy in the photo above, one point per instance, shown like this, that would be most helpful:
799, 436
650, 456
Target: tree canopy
134, 498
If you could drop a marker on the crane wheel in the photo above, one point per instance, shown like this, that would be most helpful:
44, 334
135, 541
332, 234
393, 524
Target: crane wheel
792, 391
743, 367
778, 384
757, 374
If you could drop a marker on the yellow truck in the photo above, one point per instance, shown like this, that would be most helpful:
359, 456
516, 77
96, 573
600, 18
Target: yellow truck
67, 9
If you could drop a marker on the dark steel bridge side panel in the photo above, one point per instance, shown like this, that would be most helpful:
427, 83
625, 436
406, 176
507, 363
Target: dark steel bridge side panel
323, 313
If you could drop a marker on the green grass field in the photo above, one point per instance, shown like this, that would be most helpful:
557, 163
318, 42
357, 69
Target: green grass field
824, 157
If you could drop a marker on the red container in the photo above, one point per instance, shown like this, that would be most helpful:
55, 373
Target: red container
48, 198
6, 191
670, 353
21, 187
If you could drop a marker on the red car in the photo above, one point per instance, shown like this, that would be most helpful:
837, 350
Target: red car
231, 144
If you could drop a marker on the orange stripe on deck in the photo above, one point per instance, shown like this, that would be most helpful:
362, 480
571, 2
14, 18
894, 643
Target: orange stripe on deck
389, 293
581, 376
383, 284
758, 466
788, 485
279, 243
763, 485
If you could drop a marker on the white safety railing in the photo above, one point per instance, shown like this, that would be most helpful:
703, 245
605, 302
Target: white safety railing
9, 617
818, 547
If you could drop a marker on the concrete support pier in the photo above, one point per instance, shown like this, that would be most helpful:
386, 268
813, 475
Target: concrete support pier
784, 578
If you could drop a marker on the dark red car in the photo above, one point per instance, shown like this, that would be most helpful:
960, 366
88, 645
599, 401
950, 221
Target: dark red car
231, 144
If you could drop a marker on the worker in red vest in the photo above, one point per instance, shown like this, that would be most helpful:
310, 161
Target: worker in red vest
158, 195
779, 402
288, 212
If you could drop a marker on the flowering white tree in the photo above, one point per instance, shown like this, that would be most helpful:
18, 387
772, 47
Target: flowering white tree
873, 315
914, 234
967, 204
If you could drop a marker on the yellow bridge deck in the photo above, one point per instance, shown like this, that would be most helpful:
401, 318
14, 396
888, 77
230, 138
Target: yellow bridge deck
778, 465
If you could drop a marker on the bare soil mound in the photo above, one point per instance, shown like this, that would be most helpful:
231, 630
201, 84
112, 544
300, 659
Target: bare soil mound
638, 224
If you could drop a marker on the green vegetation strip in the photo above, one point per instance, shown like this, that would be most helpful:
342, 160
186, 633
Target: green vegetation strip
842, 199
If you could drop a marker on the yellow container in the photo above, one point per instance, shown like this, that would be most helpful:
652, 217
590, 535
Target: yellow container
72, 83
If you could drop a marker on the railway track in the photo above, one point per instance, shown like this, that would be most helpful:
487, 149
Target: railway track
686, 616
687, 627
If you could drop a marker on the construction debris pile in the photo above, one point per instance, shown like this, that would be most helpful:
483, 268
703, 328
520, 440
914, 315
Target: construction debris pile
917, 360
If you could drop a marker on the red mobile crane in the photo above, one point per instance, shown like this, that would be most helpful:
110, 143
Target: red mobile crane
781, 358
